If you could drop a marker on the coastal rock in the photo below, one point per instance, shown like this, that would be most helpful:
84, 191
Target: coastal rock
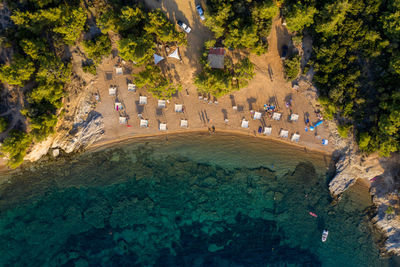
82, 134
39, 149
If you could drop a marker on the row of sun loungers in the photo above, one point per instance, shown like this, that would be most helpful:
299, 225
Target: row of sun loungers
268, 130
145, 123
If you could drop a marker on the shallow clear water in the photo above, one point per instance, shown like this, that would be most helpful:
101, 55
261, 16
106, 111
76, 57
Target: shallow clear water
191, 200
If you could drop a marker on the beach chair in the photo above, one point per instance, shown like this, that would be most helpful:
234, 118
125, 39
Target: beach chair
118, 70
178, 108
295, 138
163, 127
144, 123
267, 130
294, 117
184, 123
284, 134
122, 120
276, 116
257, 115
143, 100
112, 90
161, 104
131, 87
245, 124
118, 106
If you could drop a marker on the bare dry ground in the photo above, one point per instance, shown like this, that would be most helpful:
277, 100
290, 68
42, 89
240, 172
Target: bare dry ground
200, 114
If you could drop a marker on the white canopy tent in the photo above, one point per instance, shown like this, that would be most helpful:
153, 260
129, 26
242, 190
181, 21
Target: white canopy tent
118, 70
157, 59
294, 117
144, 123
276, 116
295, 137
284, 134
257, 115
118, 106
163, 126
245, 124
122, 120
178, 108
267, 130
112, 90
175, 54
161, 104
131, 87
143, 100
184, 123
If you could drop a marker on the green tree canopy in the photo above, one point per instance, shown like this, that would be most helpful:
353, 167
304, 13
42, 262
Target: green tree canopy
18, 72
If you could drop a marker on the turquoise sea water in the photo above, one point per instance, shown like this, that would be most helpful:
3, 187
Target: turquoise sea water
188, 200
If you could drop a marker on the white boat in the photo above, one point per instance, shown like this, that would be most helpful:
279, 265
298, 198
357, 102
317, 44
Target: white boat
324, 235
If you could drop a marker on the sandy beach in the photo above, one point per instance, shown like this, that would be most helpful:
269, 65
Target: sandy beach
201, 114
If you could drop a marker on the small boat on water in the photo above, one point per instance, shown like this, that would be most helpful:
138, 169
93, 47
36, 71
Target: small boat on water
324, 235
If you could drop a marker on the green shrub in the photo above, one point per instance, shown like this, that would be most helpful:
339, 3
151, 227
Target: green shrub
98, 47
292, 67
344, 130
89, 68
3, 124
15, 146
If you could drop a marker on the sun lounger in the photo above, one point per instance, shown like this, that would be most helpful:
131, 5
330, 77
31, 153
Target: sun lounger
131, 87
294, 117
144, 123
257, 115
276, 116
122, 120
178, 108
118, 71
112, 90
163, 126
284, 134
267, 130
143, 100
295, 138
245, 124
184, 123
161, 104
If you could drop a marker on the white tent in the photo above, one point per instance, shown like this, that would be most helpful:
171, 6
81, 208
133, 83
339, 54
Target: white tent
163, 126
175, 54
267, 130
161, 104
122, 120
257, 115
118, 106
131, 87
276, 116
184, 123
295, 138
245, 124
157, 59
294, 117
284, 134
144, 123
178, 108
143, 100
118, 70
112, 90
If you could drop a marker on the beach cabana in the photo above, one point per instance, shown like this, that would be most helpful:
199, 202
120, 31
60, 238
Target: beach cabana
117, 106
161, 104
143, 100
294, 117
112, 90
295, 138
276, 116
131, 87
284, 134
184, 123
257, 115
178, 108
175, 54
122, 120
267, 130
157, 59
245, 124
163, 126
118, 70
144, 123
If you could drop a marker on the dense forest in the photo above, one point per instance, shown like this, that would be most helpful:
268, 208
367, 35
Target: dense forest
356, 60
41, 36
